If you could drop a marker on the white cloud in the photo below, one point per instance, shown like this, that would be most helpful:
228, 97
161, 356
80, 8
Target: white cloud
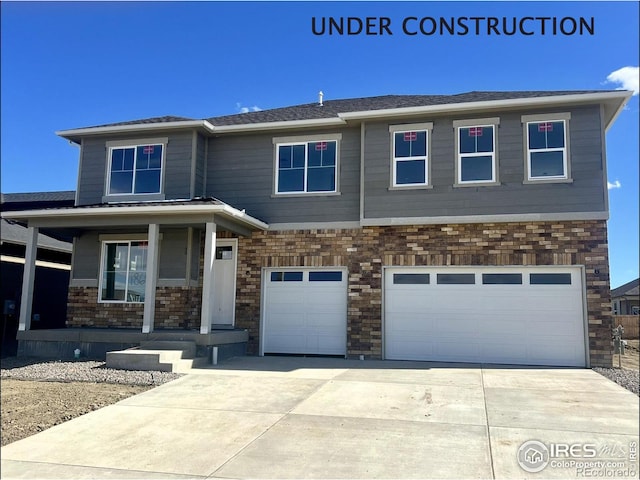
242, 109
627, 78
613, 185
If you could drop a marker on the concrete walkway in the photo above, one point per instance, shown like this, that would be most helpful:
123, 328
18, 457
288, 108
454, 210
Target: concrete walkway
279, 417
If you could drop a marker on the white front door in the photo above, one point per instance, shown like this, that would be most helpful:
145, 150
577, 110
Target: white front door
224, 284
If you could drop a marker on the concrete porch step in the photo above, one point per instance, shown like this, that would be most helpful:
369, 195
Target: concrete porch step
188, 348
156, 360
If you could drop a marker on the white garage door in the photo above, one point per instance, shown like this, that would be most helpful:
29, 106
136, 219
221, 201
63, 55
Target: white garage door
530, 316
305, 311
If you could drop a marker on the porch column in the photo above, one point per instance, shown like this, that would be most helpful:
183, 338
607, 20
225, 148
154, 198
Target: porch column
208, 278
28, 278
151, 280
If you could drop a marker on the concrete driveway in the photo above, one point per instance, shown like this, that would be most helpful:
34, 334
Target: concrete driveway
280, 417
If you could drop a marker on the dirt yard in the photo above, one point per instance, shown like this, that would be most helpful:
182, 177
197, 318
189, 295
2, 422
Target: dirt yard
29, 407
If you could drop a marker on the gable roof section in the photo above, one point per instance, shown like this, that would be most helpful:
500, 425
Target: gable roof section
339, 112
628, 289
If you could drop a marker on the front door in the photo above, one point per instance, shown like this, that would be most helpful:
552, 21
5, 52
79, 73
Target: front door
224, 295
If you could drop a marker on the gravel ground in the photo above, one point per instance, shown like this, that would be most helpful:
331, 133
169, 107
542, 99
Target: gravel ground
37, 394
629, 379
78, 371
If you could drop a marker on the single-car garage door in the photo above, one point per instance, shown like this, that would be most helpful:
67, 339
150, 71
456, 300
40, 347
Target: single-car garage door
530, 316
305, 311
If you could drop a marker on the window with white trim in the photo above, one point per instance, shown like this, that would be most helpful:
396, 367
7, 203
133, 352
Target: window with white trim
476, 154
410, 157
307, 167
547, 155
124, 271
135, 169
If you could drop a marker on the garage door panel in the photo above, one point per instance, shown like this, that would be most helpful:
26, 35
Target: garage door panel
487, 322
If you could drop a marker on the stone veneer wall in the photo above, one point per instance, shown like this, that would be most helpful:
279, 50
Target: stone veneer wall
176, 307
365, 251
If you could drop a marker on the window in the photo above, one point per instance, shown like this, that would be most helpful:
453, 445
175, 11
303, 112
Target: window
476, 161
286, 276
550, 279
410, 155
307, 167
411, 279
325, 276
547, 151
124, 271
135, 169
456, 278
502, 279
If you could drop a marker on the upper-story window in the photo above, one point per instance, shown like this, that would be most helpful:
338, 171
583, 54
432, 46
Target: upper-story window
135, 168
476, 152
307, 166
547, 148
410, 155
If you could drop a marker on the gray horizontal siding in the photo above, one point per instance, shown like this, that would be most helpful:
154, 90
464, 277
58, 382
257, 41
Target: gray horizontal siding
585, 194
200, 166
86, 257
93, 166
240, 171
173, 254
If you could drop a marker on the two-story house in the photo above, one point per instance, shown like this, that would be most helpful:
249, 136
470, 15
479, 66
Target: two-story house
457, 228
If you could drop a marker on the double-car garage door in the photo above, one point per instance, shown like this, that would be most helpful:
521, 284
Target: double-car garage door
508, 315
531, 316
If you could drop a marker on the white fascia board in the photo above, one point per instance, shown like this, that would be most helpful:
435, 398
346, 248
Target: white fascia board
621, 105
138, 210
250, 127
135, 127
552, 100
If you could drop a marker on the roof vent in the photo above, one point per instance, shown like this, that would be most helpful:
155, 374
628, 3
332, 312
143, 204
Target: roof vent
320, 97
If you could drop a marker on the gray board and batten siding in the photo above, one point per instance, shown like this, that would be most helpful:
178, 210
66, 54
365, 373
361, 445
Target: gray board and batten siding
241, 172
585, 193
94, 164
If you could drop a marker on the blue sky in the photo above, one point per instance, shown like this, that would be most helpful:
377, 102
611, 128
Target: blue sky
76, 64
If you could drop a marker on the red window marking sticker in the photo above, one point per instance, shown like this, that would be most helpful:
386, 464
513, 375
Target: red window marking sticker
475, 132
321, 146
410, 136
148, 149
545, 127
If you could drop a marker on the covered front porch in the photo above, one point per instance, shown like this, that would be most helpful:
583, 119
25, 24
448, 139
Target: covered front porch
124, 306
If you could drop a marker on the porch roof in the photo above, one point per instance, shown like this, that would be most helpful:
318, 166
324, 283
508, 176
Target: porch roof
175, 212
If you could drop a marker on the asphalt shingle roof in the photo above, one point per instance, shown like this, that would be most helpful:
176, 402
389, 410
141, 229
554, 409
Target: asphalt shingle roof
630, 288
331, 108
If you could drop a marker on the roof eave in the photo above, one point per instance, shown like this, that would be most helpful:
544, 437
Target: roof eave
262, 126
619, 98
128, 211
75, 135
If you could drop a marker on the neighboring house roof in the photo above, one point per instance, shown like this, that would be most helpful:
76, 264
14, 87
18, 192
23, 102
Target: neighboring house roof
12, 232
337, 112
627, 290
28, 201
